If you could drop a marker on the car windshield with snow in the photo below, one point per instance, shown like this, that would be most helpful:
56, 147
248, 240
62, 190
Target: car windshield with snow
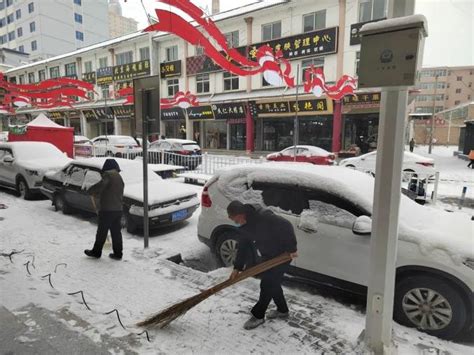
169, 202
330, 209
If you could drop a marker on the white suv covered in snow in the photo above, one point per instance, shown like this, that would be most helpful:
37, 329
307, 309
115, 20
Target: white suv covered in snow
330, 209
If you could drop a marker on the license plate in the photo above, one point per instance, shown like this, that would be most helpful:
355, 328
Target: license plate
179, 215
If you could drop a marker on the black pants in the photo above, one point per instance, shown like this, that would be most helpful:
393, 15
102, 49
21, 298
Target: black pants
471, 164
411, 149
109, 220
270, 289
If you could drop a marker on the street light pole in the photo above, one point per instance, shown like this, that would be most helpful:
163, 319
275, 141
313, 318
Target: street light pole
297, 108
430, 148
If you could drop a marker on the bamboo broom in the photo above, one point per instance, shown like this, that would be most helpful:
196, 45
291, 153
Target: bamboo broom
175, 311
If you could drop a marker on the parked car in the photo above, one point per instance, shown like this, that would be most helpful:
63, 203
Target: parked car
4, 136
117, 146
23, 164
169, 202
331, 208
82, 140
176, 152
304, 154
414, 165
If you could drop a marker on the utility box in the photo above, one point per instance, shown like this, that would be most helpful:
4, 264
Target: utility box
391, 52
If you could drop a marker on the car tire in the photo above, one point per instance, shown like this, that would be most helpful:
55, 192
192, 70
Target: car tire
226, 248
433, 299
60, 204
22, 189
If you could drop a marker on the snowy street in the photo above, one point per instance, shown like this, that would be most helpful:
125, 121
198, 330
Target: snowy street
144, 282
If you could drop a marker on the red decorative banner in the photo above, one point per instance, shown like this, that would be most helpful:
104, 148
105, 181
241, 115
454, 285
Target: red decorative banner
315, 82
180, 99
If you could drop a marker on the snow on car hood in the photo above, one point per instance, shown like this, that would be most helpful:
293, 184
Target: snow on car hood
44, 165
428, 227
159, 191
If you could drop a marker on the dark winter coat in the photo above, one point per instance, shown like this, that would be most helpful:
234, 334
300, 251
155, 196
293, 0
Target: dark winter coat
110, 190
271, 234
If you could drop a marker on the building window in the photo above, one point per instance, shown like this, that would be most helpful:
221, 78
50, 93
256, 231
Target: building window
31, 7
124, 58
10, 18
31, 78
18, 14
314, 21
78, 2
202, 83
173, 87
11, 35
54, 72
171, 53
9, 2
70, 69
458, 91
34, 45
19, 31
21, 79
231, 82
21, 49
307, 63
271, 31
371, 10
144, 53
32, 27
457, 102
103, 62
79, 36
77, 17
42, 75
105, 91
459, 78
232, 39
3, 39
88, 67
3, 22
199, 50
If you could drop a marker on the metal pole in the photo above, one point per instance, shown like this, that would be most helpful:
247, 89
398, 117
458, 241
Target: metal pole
435, 189
385, 213
433, 117
145, 104
449, 127
296, 122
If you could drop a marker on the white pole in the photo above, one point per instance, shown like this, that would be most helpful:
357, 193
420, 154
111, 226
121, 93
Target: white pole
383, 246
435, 189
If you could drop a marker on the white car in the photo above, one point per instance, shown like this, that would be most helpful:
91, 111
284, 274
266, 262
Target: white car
169, 202
116, 146
414, 165
82, 140
330, 208
23, 164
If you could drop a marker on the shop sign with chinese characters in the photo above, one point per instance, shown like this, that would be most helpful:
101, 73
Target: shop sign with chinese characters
131, 70
227, 111
362, 100
288, 108
170, 69
89, 77
303, 106
104, 76
123, 85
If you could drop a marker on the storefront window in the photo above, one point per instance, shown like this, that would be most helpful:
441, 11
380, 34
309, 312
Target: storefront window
277, 133
175, 129
237, 136
361, 130
215, 134
316, 131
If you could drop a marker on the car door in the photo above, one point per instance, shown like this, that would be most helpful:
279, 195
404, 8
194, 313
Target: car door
100, 147
287, 155
367, 163
7, 170
326, 242
91, 178
72, 186
302, 155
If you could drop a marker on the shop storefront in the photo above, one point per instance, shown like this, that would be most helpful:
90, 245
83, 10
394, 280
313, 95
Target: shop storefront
360, 122
74, 121
105, 121
276, 125
124, 116
174, 123
238, 134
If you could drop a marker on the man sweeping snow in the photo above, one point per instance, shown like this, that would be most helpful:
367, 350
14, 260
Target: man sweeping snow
273, 236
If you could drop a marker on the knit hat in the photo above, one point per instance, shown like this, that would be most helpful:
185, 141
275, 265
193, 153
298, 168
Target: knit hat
110, 164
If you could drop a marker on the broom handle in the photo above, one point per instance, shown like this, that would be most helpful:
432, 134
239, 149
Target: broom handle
94, 205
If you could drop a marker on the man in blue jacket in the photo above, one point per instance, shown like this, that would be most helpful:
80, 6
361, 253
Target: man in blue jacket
272, 235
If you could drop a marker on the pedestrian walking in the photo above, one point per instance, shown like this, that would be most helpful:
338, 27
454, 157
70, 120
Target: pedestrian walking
110, 192
412, 145
471, 158
272, 236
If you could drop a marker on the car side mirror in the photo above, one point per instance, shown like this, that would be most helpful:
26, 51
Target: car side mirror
362, 225
8, 159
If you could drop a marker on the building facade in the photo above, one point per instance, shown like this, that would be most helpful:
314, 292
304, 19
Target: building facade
119, 25
235, 113
48, 28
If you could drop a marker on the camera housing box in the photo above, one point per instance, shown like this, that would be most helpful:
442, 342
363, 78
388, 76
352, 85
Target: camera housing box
391, 52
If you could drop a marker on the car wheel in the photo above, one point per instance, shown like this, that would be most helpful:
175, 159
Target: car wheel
430, 304
350, 166
23, 189
226, 248
60, 204
408, 174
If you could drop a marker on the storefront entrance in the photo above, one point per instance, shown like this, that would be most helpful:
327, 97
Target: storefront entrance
316, 131
215, 134
361, 130
238, 136
175, 129
277, 133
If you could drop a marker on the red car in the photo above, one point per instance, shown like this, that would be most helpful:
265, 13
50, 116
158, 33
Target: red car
304, 154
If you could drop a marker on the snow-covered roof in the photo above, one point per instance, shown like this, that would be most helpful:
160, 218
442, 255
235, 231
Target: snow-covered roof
396, 23
43, 121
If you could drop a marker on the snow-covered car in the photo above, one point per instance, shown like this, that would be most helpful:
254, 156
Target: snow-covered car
179, 152
169, 202
304, 154
330, 208
116, 146
23, 164
4, 136
82, 140
414, 165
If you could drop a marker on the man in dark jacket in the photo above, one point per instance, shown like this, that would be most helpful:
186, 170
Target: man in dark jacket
272, 236
110, 192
